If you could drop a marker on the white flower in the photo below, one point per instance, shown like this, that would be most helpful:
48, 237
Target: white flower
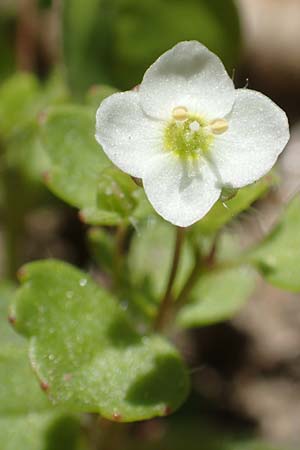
188, 133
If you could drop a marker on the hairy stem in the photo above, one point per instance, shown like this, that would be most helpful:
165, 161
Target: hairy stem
167, 300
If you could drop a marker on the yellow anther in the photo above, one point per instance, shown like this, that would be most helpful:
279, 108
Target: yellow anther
219, 126
180, 113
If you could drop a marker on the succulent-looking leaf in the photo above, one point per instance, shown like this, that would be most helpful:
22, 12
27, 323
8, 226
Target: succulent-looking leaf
278, 256
217, 296
87, 354
28, 421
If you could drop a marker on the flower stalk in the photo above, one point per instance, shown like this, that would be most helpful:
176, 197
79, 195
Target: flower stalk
167, 300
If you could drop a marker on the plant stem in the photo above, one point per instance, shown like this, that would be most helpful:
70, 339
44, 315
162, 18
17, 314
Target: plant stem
189, 284
167, 299
201, 265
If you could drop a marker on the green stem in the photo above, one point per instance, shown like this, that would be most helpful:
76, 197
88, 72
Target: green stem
189, 284
167, 300
201, 266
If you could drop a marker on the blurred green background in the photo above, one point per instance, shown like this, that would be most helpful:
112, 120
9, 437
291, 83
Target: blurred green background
246, 377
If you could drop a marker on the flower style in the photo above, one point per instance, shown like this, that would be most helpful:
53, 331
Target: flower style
188, 133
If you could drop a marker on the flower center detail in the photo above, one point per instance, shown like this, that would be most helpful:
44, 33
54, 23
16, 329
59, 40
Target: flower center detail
187, 136
190, 136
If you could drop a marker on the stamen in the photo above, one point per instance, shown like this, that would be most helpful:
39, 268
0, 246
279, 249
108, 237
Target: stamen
187, 135
219, 126
180, 113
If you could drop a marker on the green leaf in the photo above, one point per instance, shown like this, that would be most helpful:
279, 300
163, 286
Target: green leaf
40, 431
27, 419
75, 158
23, 106
120, 199
8, 338
224, 212
80, 173
217, 296
23, 98
133, 297
278, 256
21, 393
87, 354
25, 153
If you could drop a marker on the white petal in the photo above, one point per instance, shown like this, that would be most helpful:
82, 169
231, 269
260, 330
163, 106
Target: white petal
127, 135
258, 132
179, 196
187, 75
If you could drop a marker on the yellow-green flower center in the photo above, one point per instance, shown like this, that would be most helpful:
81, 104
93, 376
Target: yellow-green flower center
187, 136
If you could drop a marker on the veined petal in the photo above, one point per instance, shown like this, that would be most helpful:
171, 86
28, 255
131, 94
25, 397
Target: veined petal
258, 132
180, 194
127, 135
188, 75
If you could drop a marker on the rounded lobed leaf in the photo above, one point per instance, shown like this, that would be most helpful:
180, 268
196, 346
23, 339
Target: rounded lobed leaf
27, 418
86, 353
21, 394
